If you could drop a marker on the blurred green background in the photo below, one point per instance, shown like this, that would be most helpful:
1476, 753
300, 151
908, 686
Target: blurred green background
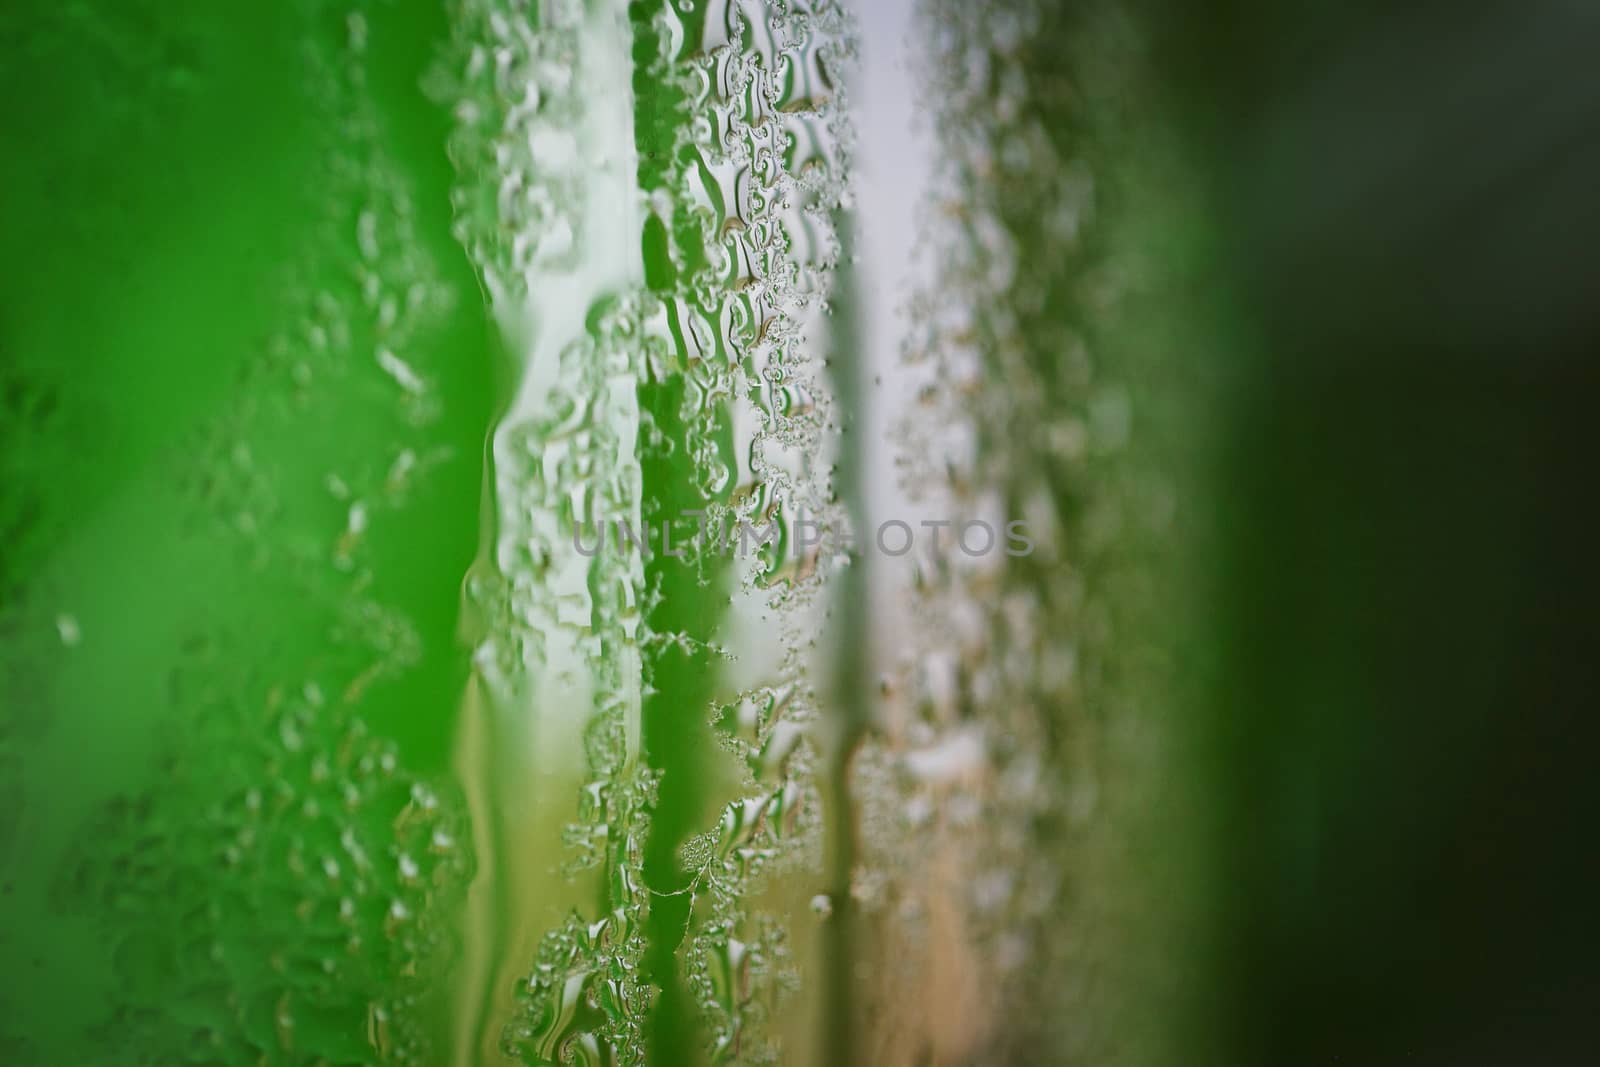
1399, 749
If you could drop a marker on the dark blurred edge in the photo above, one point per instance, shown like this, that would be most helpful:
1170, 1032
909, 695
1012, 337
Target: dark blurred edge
1401, 740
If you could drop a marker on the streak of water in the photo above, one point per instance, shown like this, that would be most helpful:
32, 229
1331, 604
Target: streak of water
548, 209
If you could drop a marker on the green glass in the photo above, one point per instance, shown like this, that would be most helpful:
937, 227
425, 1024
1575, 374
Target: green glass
361, 365
331, 327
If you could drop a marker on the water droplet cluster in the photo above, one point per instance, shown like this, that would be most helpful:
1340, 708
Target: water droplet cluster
511, 83
985, 839
284, 890
291, 920
744, 185
741, 153
745, 169
739, 961
556, 633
